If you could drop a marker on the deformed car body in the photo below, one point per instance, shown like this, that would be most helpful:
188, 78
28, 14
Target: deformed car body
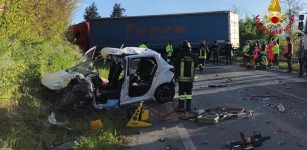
135, 74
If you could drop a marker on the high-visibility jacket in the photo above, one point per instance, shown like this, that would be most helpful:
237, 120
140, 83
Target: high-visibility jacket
203, 53
169, 50
246, 49
276, 49
143, 46
185, 64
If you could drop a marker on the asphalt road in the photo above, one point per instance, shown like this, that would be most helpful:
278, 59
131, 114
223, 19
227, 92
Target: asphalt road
288, 130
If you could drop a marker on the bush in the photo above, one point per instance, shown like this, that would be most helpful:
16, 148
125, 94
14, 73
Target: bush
107, 140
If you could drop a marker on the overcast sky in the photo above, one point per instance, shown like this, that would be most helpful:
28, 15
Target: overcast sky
153, 7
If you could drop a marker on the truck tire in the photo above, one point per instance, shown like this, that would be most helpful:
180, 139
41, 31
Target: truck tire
165, 93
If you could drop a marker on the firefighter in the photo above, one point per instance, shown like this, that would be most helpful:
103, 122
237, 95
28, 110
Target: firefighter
302, 59
228, 49
143, 45
276, 53
203, 51
169, 51
288, 54
216, 51
245, 51
185, 64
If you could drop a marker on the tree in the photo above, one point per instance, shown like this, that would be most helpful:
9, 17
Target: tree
295, 8
118, 11
91, 12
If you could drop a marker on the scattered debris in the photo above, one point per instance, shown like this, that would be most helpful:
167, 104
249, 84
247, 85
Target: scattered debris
52, 120
161, 140
300, 145
163, 128
54, 124
216, 115
168, 147
216, 85
166, 112
281, 108
255, 140
205, 142
96, 126
263, 96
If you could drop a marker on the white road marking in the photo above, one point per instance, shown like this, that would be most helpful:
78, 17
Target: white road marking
287, 94
184, 135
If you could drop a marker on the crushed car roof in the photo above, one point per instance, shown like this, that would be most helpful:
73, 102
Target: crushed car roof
127, 50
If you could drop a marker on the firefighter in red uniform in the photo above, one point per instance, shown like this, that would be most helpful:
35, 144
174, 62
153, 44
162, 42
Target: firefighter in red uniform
185, 64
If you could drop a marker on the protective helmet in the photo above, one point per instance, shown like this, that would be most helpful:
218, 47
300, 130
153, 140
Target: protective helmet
186, 45
202, 42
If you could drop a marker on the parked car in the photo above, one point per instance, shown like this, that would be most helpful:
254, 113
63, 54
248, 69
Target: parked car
134, 74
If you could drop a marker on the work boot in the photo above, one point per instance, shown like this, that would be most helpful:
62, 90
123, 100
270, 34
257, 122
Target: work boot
180, 107
188, 106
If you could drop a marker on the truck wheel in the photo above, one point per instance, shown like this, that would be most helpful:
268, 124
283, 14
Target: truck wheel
165, 93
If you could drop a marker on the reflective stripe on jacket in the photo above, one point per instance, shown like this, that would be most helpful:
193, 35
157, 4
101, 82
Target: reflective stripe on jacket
169, 50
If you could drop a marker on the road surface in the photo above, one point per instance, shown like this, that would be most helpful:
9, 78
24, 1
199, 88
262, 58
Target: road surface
288, 130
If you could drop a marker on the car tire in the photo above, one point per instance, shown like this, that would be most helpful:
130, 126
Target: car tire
165, 93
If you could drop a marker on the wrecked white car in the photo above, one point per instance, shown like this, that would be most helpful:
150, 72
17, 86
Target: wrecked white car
134, 74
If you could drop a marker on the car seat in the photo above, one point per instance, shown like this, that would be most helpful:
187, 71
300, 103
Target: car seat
145, 73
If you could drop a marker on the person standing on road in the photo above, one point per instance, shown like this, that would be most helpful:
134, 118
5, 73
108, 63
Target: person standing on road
302, 59
288, 54
228, 49
245, 51
169, 51
203, 50
185, 64
276, 53
216, 51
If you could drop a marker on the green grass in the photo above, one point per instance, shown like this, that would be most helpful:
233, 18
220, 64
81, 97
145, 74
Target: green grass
25, 104
284, 66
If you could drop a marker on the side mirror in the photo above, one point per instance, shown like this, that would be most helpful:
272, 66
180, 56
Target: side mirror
301, 26
301, 17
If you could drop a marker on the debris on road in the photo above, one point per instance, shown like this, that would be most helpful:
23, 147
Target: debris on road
263, 96
161, 140
252, 142
168, 147
52, 120
205, 142
281, 108
300, 145
54, 124
96, 126
216, 115
166, 112
216, 86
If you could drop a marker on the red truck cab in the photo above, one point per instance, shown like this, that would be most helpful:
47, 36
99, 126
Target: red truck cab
81, 34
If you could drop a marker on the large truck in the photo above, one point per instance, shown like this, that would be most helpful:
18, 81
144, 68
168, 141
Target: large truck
156, 30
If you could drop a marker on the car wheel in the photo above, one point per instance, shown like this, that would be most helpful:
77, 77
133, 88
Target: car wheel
165, 93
